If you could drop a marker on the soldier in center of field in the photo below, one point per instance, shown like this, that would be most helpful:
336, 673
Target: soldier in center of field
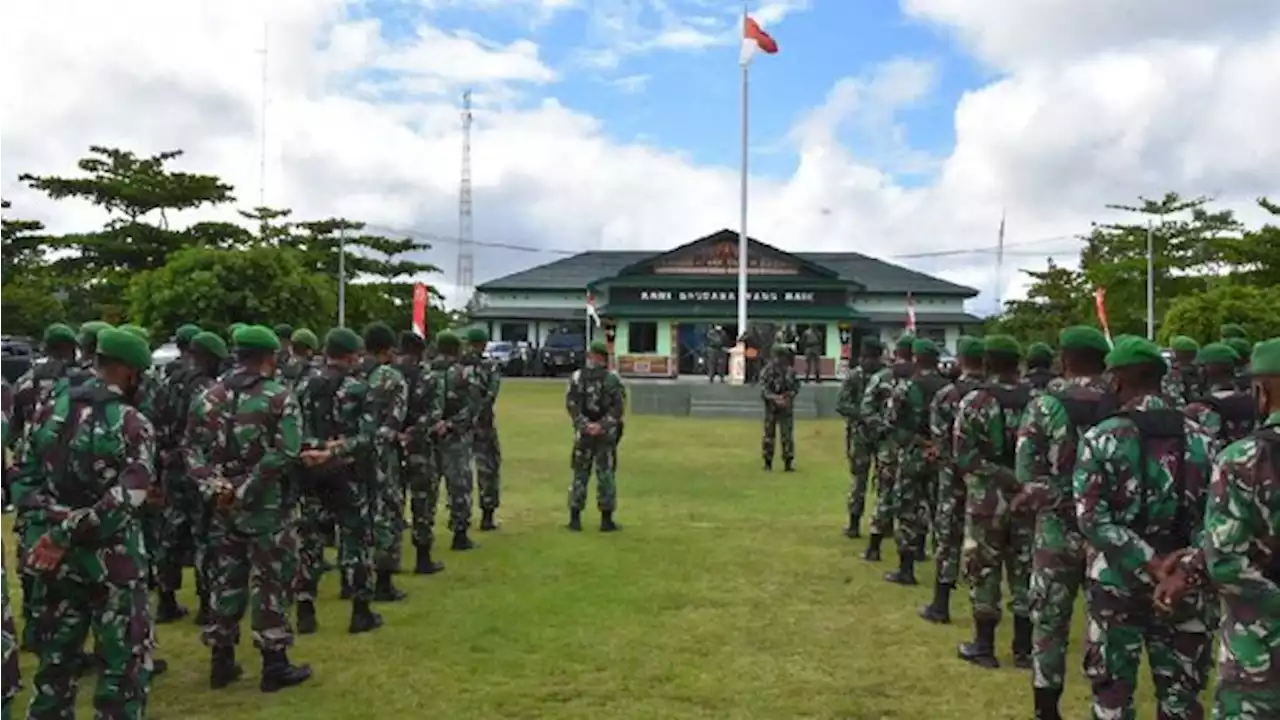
859, 445
779, 386
1046, 459
595, 400
1183, 383
874, 401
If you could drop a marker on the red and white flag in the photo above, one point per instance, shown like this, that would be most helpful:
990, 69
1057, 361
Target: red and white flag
911, 313
755, 40
420, 294
591, 309
1100, 302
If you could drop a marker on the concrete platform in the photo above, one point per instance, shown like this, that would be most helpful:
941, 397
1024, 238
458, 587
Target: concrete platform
702, 399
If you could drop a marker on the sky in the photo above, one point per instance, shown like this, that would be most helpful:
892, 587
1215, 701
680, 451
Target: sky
900, 129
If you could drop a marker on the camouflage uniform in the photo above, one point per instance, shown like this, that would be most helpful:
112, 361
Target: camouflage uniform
456, 400
422, 471
949, 519
90, 467
1227, 413
1039, 378
1046, 458
859, 444
1129, 520
182, 504
779, 379
812, 342
874, 401
1182, 384
909, 422
595, 395
484, 435
147, 399
10, 670
382, 419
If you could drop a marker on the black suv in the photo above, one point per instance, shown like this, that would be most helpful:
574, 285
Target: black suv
562, 352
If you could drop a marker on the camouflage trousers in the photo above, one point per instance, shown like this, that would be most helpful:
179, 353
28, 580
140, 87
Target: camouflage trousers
1249, 664
459, 478
602, 455
248, 573
310, 539
178, 539
422, 476
488, 456
1117, 629
153, 532
949, 523
860, 449
778, 423
886, 476
995, 546
12, 679
356, 534
909, 504
119, 617
1057, 574
812, 367
388, 516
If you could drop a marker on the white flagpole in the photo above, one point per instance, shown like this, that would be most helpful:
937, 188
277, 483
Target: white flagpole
742, 217
1151, 285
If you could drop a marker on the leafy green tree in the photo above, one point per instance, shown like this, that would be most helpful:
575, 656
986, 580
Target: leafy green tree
30, 302
1201, 315
1057, 297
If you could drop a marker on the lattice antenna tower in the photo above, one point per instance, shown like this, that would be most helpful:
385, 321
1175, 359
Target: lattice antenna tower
466, 257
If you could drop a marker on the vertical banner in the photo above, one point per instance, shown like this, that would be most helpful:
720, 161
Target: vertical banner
420, 309
1100, 301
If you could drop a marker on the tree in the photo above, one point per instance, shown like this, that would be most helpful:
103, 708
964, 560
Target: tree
30, 303
216, 287
1201, 315
1057, 297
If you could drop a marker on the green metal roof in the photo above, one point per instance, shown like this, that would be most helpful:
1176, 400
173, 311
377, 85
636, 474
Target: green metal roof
530, 313
926, 318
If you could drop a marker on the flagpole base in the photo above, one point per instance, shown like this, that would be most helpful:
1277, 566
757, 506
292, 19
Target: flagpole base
738, 365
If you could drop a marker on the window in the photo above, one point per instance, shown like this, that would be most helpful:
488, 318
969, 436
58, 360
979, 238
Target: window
642, 337
514, 332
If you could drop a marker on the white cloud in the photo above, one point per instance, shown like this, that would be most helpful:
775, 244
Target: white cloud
1068, 124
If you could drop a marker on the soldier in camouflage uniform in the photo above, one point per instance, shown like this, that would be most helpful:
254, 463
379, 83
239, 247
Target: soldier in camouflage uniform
484, 439
1140, 488
10, 670
302, 361
949, 518
1046, 453
1183, 384
859, 445
595, 400
1226, 411
455, 403
382, 419
1243, 350
1039, 366
908, 419
874, 401
996, 538
244, 440
812, 342
88, 340
90, 467
421, 471
779, 386
284, 334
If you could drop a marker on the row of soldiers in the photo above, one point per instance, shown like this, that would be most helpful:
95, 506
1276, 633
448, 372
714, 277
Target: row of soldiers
1099, 479
235, 462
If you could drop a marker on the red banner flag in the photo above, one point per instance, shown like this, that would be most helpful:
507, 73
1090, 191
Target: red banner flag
911, 313
420, 309
1100, 301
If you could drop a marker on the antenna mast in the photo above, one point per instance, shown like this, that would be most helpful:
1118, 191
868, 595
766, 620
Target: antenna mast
466, 261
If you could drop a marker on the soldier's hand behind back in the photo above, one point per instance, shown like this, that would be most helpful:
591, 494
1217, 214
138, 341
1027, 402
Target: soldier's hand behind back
46, 555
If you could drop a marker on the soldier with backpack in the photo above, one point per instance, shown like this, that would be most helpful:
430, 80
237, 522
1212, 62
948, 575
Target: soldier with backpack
1046, 454
874, 401
859, 445
1183, 383
1140, 489
1039, 367
421, 469
1228, 412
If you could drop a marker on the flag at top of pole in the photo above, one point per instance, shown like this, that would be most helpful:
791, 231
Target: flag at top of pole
755, 40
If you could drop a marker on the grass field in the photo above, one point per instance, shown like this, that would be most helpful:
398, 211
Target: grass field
730, 594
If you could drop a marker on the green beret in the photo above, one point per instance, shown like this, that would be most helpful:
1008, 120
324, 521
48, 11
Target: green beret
1083, 337
186, 333
871, 343
1131, 350
211, 343
137, 331
598, 347
1039, 351
1218, 353
232, 328
477, 335
970, 348
1266, 358
305, 338
1232, 330
906, 341
1002, 345
378, 336
255, 337
1242, 347
125, 347
284, 330
924, 346
1182, 343
89, 331
341, 341
59, 333
448, 340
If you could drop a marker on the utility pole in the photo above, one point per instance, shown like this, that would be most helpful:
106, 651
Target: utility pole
465, 279
1000, 266
342, 277
262, 119
1151, 283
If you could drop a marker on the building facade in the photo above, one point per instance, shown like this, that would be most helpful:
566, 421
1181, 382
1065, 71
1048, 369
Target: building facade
656, 308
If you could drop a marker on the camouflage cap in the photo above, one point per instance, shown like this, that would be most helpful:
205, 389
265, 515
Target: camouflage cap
124, 347
211, 343
1182, 343
1265, 359
924, 346
1001, 345
341, 341
1038, 351
255, 337
1083, 337
59, 333
1131, 351
305, 338
1218, 353
971, 348
186, 333
599, 347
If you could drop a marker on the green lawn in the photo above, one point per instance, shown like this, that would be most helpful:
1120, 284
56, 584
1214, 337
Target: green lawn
730, 594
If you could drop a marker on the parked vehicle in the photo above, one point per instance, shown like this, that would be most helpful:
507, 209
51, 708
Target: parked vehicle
16, 357
504, 353
164, 355
563, 352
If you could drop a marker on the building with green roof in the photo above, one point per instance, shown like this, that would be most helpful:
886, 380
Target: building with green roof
657, 307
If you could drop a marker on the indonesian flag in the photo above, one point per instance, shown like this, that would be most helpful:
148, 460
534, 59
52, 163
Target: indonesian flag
911, 314
754, 40
591, 309
420, 309
1100, 302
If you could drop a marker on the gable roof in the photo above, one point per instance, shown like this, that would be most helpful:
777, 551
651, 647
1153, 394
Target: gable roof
728, 236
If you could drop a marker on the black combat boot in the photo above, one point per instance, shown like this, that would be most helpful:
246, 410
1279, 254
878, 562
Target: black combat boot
462, 542
982, 651
425, 565
225, 670
168, 610
306, 617
385, 591
768, 464
362, 618
159, 666
938, 611
346, 593
906, 572
789, 464
487, 523
1022, 642
575, 520
855, 527
873, 549
1047, 703
606, 522
278, 673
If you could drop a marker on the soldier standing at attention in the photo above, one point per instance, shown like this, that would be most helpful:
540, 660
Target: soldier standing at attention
874, 401
859, 446
812, 342
301, 363
89, 469
1183, 384
382, 420
421, 470
949, 519
595, 400
715, 349
484, 439
1224, 410
996, 539
1046, 454
1039, 366
1140, 489
779, 387
456, 401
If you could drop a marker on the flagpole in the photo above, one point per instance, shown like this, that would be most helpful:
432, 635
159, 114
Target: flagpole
742, 205
1151, 285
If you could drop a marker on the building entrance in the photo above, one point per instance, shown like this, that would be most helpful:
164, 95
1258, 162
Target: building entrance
691, 339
